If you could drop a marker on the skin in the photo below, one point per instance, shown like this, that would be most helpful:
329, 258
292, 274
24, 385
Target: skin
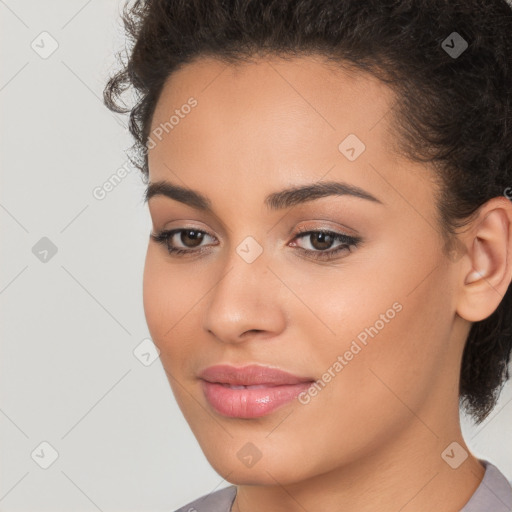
372, 438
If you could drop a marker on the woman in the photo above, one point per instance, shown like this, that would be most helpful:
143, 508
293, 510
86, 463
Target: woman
328, 274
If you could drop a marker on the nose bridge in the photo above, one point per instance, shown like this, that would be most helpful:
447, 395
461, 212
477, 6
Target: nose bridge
243, 297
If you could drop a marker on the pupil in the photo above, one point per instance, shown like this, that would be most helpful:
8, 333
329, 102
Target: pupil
194, 235
326, 244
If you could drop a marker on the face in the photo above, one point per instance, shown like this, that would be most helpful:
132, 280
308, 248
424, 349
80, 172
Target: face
364, 310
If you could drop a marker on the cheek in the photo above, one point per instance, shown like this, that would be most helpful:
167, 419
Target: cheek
167, 301
155, 297
393, 352
384, 325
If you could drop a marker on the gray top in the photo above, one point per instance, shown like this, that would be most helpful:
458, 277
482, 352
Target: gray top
494, 494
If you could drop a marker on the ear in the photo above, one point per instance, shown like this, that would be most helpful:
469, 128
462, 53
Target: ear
486, 268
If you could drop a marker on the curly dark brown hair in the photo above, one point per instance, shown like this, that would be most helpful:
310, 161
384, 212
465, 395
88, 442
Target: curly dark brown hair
453, 111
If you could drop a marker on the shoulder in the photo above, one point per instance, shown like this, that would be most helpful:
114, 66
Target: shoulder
494, 492
218, 501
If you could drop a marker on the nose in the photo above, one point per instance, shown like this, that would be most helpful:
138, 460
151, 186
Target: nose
246, 300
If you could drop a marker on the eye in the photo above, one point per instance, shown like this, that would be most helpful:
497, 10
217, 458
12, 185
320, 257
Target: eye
319, 240
189, 237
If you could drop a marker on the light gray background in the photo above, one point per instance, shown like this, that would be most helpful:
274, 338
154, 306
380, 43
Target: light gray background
69, 325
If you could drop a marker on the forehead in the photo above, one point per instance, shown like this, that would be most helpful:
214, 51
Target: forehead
308, 90
272, 122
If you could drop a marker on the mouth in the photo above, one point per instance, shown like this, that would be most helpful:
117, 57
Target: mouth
251, 391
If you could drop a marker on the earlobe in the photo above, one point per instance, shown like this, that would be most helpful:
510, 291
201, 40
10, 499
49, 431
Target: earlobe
487, 265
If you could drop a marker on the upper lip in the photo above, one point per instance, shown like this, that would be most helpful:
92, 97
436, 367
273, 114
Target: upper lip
250, 375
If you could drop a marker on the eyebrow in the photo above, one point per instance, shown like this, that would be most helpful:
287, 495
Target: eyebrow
275, 201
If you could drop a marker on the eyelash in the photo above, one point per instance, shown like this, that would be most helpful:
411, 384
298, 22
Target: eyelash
164, 236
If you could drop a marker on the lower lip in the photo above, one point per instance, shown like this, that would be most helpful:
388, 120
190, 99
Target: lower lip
250, 402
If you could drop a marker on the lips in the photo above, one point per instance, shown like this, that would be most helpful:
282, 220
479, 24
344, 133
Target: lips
251, 391
251, 375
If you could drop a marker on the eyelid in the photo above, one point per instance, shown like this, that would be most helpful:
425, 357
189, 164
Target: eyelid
326, 225
302, 230
346, 242
331, 254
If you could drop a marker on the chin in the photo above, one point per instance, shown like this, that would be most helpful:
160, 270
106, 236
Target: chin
245, 467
